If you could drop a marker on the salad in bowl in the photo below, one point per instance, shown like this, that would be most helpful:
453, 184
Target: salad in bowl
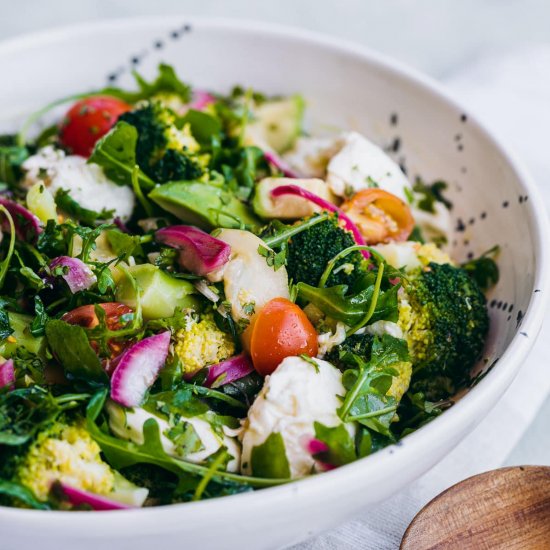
197, 299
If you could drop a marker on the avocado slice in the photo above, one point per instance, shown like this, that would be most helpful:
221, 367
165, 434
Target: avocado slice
277, 123
204, 205
160, 292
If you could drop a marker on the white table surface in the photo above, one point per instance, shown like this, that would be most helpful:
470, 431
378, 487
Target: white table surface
440, 37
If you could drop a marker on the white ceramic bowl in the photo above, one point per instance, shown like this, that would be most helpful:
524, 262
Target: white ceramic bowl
495, 202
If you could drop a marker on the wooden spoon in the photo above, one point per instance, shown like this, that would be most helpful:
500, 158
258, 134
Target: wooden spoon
506, 508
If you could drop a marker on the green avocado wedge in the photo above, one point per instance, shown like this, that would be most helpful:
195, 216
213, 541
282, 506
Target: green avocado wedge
204, 205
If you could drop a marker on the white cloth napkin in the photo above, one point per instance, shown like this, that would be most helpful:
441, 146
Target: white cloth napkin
511, 95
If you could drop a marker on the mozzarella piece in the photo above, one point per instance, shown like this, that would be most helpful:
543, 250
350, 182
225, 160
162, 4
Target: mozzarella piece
329, 340
379, 328
86, 183
294, 397
401, 254
359, 163
128, 424
248, 280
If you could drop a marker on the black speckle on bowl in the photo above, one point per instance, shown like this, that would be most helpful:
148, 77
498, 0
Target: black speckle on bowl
519, 318
505, 204
463, 117
460, 227
396, 145
394, 119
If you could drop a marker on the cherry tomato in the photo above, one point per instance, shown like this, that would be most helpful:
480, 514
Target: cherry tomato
88, 120
281, 329
84, 316
380, 216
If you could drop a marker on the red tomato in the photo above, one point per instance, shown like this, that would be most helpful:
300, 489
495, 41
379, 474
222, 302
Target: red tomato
281, 330
84, 316
88, 120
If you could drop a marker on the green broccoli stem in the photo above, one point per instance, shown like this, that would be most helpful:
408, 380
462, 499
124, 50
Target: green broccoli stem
373, 303
282, 237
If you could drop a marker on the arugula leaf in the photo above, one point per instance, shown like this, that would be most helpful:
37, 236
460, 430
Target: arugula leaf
11, 158
185, 438
123, 244
115, 152
69, 343
24, 412
21, 494
484, 269
38, 325
269, 460
430, 194
52, 241
416, 411
166, 82
122, 453
366, 400
335, 303
341, 447
5, 263
5, 327
66, 203
89, 236
204, 127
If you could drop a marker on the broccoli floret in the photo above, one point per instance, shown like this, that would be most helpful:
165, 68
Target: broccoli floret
202, 343
309, 252
443, 314
163, 151
67, 453
361, 345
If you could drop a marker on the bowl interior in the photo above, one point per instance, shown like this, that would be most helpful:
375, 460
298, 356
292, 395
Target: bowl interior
427, 134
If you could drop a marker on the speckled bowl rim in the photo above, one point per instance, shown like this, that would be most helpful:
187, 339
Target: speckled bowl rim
468, 411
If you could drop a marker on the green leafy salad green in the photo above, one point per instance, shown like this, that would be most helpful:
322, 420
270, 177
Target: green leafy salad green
198, 299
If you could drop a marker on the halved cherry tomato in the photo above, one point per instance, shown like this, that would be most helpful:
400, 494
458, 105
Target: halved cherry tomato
380, 216
84, 316
88, 120
281, 329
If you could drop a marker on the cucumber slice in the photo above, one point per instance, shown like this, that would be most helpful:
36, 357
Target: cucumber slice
161, 293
